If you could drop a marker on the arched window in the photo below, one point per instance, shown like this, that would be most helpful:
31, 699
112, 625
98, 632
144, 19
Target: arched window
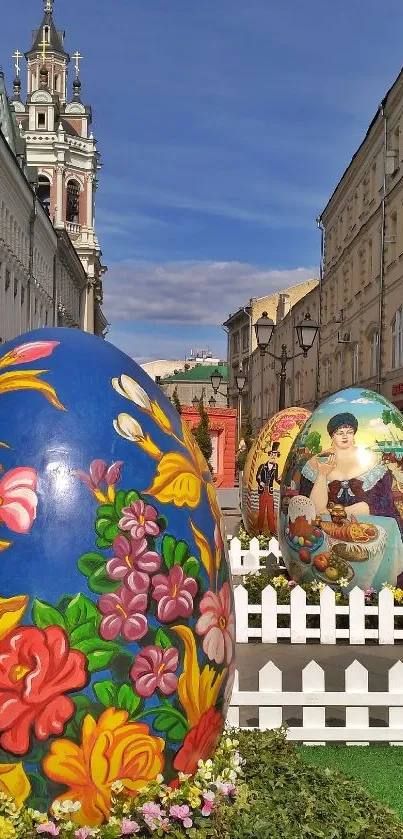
397, 339
57, 83
373, 347
355, 361
73, 202
43, 192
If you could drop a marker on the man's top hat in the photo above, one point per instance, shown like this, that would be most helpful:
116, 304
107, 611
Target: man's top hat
274, 449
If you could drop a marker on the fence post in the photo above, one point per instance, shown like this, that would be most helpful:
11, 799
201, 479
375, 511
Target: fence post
327, 616
270, 680
386, 617
356, 682
233, 710
241, 613
313, 681
235, 553
255, 549
395, 685
269, 615
298, 615
357, 616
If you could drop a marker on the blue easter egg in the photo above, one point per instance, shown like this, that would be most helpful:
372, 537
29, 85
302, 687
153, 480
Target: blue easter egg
116, 611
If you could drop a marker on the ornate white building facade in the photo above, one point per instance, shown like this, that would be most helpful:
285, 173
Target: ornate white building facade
50, 259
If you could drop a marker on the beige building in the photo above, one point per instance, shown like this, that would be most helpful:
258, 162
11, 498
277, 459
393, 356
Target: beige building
301, 372
195, 383
241, 339
362, 291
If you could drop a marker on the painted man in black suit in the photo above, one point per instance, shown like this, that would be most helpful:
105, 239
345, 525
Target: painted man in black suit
265, 477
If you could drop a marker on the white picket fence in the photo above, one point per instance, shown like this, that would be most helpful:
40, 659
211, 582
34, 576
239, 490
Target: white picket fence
314, 699
248, 560
328, 610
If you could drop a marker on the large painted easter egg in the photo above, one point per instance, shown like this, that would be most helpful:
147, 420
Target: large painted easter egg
341, 500
116, 608
260, 491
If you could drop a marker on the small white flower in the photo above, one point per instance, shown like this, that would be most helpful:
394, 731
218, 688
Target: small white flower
127, 387
117, 786
343, 582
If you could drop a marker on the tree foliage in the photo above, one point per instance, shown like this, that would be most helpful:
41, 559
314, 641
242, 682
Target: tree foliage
201, 433
176, 401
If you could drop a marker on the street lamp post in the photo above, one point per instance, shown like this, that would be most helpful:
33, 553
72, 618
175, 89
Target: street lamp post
264, 328
240, 379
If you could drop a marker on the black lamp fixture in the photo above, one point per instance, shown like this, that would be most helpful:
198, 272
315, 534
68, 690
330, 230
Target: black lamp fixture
212, 402
240, 380
306, 333
195, 401
264, 327
216, 379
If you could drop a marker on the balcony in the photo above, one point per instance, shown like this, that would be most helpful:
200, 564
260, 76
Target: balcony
72, 228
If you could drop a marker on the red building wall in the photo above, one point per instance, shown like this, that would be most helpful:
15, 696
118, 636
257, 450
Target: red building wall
223, 422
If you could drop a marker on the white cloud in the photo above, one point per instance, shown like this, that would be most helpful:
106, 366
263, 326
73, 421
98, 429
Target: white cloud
377, 425
189, 292
337, 401
361, 401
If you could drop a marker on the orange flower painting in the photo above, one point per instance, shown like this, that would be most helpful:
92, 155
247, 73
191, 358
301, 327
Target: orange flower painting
112, 749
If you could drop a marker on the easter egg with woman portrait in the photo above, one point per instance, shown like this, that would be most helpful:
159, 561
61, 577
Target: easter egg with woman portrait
343, 524
261, 477
116, 610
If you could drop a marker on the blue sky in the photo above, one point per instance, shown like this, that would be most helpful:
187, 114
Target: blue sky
224, 126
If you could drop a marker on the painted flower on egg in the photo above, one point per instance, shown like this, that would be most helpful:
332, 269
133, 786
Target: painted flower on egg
116, 660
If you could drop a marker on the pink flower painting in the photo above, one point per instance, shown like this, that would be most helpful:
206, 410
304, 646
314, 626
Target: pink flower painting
100, 472
131, 556
217, 624
30, 351
174, 594
18, 499
124, 613
155, 668
140, 519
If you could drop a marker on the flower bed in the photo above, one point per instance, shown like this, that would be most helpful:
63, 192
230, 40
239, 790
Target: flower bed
269, 793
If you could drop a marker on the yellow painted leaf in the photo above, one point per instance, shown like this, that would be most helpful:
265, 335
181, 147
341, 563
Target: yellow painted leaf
176, 481
4, 545
12, 610
148, 445
197, 691
194, 450
27, 380
14, 782
205, 550
160, 417
214, 505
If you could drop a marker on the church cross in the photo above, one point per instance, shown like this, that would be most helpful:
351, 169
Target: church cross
49, 6
17, 55
44, 44
77, 57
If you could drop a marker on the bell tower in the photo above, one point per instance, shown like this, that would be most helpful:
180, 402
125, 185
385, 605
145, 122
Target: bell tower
56, 127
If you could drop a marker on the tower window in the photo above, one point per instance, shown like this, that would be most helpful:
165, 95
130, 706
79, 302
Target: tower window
73, 202
57, 85
41, 119
46, 33
43, 192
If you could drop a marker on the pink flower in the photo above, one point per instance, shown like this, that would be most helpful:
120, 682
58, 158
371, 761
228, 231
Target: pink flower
140, 519
151, 809
99, 472
174, 594
182, 813
124, 612
83, 833
30, 351
131, 556
226, 789
18, 499
208, 803
49, 828
291, 583
217, 624
155, 668
128, 827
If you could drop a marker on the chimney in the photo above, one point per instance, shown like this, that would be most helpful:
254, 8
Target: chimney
283, 307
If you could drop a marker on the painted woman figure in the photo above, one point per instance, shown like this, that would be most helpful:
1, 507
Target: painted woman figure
349, 475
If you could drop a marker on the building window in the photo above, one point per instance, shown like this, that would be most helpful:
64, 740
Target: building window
338, 371
8, 279
374, 343
22, 295
235, 343
41, 119
392, 244
57, 84
245, 337
355, 360
43, 192
397, 339
326, 374
73, 202
298, 387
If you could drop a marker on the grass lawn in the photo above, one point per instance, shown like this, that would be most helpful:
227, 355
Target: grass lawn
378, 768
